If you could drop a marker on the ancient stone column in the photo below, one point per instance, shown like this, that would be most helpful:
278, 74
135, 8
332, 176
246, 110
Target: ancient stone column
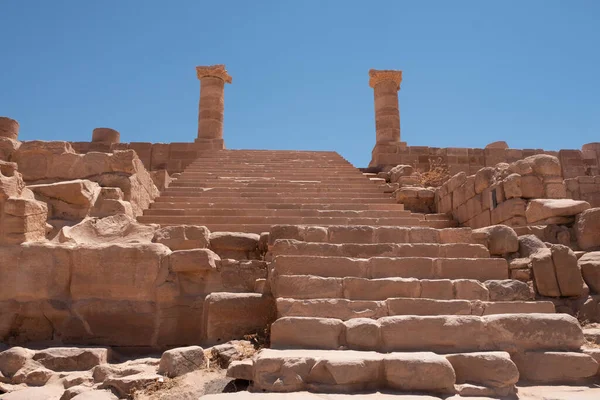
106, 135
386, 84
210, 110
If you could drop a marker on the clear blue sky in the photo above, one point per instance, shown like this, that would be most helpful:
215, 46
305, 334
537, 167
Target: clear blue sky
524, 71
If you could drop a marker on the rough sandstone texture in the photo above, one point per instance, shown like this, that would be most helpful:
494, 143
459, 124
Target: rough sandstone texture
51, 162
503, 194
22, 217
126, 293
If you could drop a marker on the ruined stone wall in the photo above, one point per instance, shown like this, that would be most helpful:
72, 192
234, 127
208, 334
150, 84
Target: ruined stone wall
119, 283
173, 157
586, 188
500, 195
584, 162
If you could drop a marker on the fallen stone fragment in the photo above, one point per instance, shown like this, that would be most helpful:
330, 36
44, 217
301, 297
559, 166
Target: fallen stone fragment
541, 209
590, 269
499, 239
587, 229
555, 367
71, 358
14, 359
182, 360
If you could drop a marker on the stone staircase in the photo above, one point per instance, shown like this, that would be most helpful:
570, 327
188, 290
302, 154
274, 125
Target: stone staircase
404, 309
252, 190
370, 297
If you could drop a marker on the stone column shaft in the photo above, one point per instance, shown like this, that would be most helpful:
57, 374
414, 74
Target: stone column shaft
211, 105
386, 84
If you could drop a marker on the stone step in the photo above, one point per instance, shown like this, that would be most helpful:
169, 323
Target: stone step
370, 234
268, 194
306, 287
351, 372
202, 220
438, 224
280, 206
348, 309
277, 213
293, 189
287, 184
315, 396
298, 200
481, 269
260, 169
481, 374
441, 334
283, 175
449, 250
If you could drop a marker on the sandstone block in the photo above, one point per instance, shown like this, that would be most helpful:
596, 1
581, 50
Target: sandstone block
116, 272
541, 209
317, 333
512, 186
499, 239
492, 369
455, 235
14, 359
308, 287
383, 267
406, 306
241, 370
437, 333
282, 371
183, 237
380, 289
555, 367
513, 332
193, 261
362, 334
118, 229
456, 181
508, 209
72, 358
544, 165
472, 268
544, 274
529, 245
230, 316
484, 178
441, 289
568, 274
555, 190
518, 307
345, 370
33, 376
590, 268
351, 234
182, 360
9, 128
531, 187
508, 290
400, 171
469, 289
331, 308
414, 372
587, 229
238, 241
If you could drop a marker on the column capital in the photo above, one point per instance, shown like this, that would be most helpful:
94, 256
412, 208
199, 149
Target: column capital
379, 75
217, 71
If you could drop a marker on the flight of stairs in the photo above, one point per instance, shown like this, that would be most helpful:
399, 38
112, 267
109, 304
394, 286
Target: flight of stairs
252, 190
402, 309
369, 297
